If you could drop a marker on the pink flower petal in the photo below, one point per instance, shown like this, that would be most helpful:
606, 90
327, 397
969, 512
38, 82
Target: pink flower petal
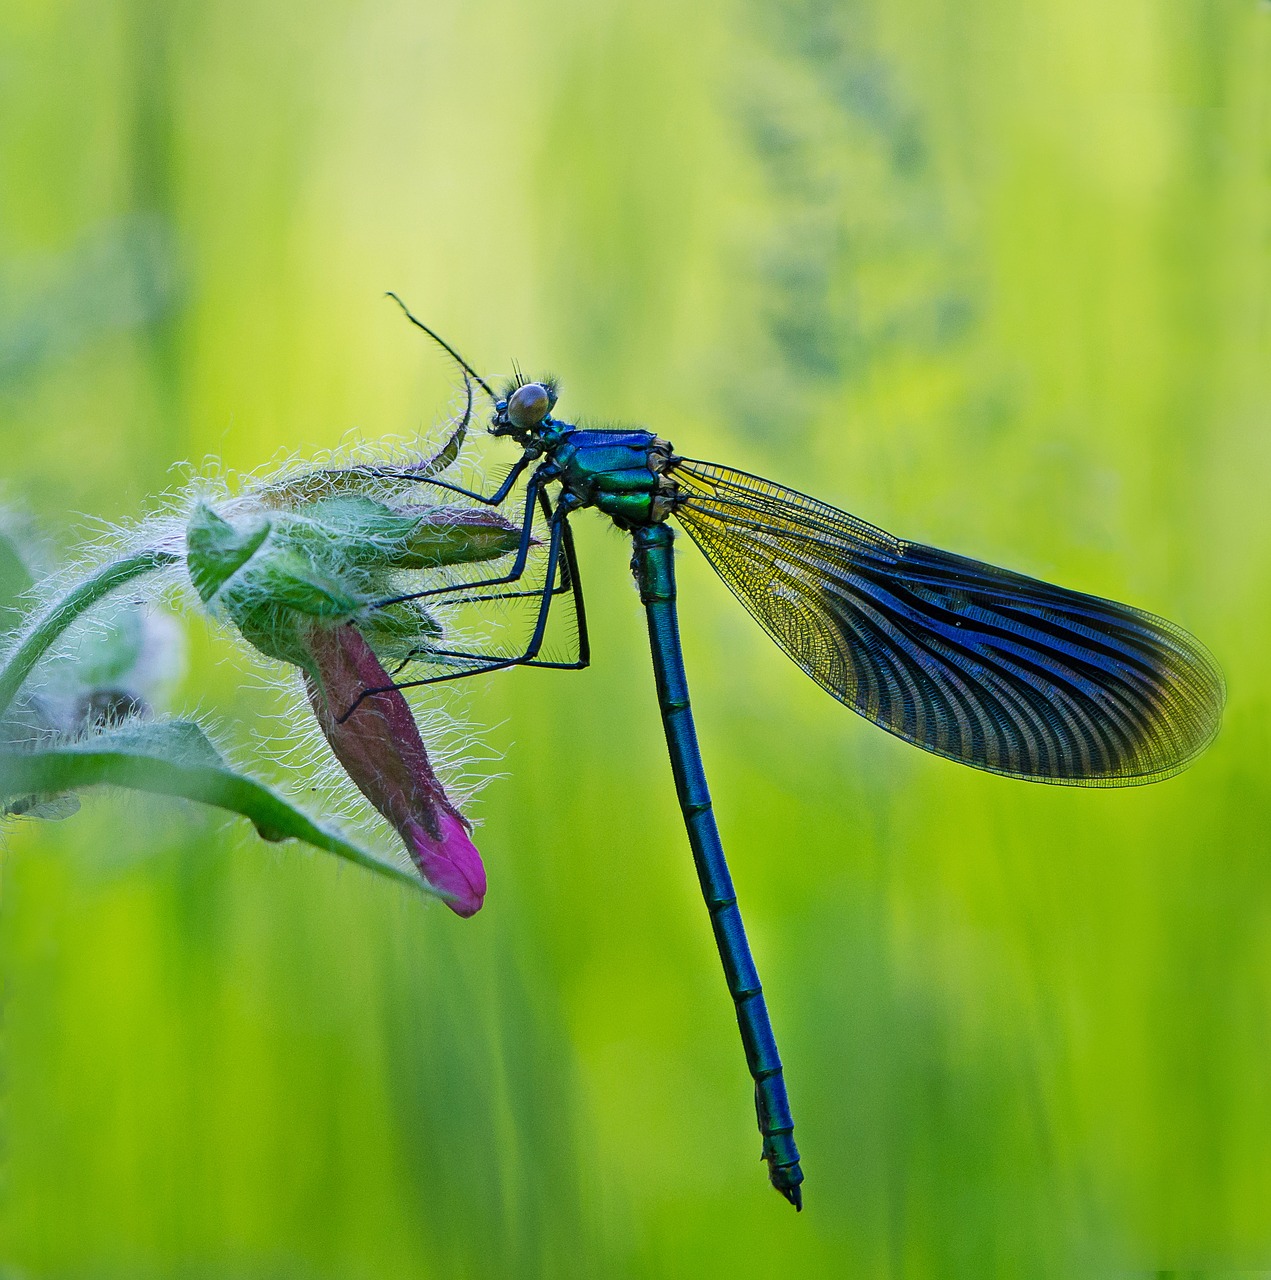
451, 864
381, 750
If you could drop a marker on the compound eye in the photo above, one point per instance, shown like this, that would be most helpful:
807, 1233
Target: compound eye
528, 406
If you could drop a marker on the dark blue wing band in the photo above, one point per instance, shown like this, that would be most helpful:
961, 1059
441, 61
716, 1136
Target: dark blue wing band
984, 666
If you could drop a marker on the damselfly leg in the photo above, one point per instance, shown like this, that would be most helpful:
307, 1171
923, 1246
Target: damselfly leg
567, 582
561, 577
533, 491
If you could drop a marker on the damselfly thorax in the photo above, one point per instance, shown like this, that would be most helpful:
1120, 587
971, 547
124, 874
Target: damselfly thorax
626, 474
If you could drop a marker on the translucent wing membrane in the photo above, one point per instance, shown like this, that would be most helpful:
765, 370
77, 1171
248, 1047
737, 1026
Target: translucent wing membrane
975, 663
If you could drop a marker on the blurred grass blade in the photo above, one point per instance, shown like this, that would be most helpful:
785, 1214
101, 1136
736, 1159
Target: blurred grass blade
174, 759
15, 581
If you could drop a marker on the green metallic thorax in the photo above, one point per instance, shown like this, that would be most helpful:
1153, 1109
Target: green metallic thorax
622, 473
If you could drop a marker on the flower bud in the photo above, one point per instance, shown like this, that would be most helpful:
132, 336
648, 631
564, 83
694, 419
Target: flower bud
300, 569
381, 750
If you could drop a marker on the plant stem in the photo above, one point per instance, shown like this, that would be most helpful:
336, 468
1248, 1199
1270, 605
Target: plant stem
62, 614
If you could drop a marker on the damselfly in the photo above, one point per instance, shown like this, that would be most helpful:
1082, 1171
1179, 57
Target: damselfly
975, 663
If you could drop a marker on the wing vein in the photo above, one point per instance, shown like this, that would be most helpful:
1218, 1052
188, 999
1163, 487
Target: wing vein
975, 663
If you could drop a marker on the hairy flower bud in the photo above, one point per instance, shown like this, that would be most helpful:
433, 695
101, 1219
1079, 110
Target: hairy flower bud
381, 750
301, 569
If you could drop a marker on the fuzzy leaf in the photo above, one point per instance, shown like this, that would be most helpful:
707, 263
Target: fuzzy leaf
107, 652
399, 631
216, 550
47, 628
174, 759
285, 577
378, 537
457, 536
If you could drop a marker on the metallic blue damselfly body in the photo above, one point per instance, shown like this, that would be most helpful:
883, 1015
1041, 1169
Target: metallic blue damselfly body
980, 665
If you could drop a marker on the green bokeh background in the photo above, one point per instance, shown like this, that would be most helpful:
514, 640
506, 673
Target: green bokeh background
993, 276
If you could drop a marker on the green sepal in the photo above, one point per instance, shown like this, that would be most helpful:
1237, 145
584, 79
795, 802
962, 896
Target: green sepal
264, 583
216, 550
286, 578
377, 537
329, 560
237, 569
399, 631
434, 543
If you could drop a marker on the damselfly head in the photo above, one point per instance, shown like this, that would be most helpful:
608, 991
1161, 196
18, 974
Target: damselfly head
525, 409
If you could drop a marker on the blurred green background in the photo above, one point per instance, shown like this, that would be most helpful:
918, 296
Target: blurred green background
992, 276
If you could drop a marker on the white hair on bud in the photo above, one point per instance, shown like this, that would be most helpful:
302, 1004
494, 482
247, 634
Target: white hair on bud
289, 744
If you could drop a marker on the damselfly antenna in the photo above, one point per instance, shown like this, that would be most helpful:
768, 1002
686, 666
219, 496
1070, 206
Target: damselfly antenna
445, 346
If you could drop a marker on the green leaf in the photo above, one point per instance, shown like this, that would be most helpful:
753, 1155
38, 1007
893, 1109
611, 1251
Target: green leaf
173, 758
41, 633
363, 532
457, 537
399, 630
216, 550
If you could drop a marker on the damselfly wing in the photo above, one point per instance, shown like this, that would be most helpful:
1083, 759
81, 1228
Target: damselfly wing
984, 666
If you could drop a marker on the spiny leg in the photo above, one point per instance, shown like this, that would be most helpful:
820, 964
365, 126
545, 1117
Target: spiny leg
532, 491
570, 581
488, 662
580, 609
495, 499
